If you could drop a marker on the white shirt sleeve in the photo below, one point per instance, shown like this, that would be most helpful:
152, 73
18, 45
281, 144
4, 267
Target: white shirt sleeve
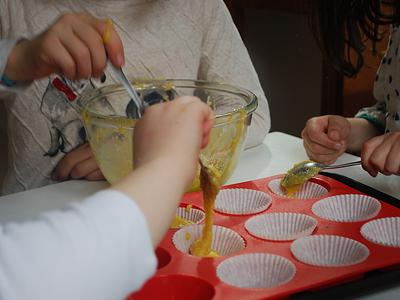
97, 249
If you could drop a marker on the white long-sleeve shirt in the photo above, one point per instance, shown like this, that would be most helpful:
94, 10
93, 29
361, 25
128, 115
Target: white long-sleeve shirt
192, 39
96, 249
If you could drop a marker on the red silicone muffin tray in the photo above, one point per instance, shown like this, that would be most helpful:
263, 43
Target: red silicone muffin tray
182, 276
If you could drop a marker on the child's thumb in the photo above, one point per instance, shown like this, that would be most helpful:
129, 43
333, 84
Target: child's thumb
338, 128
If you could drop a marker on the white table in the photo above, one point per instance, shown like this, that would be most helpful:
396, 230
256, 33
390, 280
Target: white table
277, 154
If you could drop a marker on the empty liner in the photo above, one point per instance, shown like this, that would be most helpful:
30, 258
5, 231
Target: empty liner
224, 240
242, 201
256, 270
385, 231
347, 208
191, 214
308, 190
329, 251
281, 226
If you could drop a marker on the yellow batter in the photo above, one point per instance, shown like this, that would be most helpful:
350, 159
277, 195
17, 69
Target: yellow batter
179, 222
211, 179
292, 181
188, 208
210, 184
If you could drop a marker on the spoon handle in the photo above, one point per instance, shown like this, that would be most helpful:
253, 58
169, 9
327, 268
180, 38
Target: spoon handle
122, 77
350, 164
130, 89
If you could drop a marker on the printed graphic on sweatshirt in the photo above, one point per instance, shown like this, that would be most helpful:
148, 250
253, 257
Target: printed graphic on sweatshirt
59, 106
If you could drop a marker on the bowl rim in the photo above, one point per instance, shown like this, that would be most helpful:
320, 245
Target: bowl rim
250, 107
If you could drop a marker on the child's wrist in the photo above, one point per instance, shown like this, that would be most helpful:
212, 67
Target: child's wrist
171, 170
4, 80
16, 68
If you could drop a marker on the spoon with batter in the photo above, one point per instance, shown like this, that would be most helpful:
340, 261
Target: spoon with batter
303, 171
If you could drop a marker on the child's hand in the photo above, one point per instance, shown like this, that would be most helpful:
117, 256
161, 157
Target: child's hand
73, 46
78, 164
174, 132
325, 137
382, 154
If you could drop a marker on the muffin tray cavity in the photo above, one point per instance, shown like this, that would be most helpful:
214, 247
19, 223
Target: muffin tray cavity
274, 246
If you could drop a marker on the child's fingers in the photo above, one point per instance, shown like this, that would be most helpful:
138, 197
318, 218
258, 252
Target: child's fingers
338, 128
367, 150
84, 168
95, 176
392, 165
63, 62
316, 147
207, 126
112, 42
80, 54
197, 111
321, 138
70, 160
316, 129
94, 42
324, 155
380, 155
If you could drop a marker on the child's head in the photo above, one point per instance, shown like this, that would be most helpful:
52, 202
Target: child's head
341, 28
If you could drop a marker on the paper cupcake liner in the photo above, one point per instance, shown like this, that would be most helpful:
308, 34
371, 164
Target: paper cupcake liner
329, 251
194, 215
281, 226
308, 190
224, 240
384, 232
256, 270
347, 208
242, 201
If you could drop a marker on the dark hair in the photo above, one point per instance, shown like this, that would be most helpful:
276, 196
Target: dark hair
342, 27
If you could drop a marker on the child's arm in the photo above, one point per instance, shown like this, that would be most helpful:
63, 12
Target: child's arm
79, 163
361, 131
382, 154
97, 249
72, 46
325, 138
167, 144
102, 248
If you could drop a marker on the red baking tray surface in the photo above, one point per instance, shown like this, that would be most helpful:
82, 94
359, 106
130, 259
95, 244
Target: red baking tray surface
182, 276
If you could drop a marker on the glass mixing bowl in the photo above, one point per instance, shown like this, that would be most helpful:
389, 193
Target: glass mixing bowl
109, 125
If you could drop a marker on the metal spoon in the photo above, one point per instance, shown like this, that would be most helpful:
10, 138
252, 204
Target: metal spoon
303, 171
131, 91
305, 167
122, 77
